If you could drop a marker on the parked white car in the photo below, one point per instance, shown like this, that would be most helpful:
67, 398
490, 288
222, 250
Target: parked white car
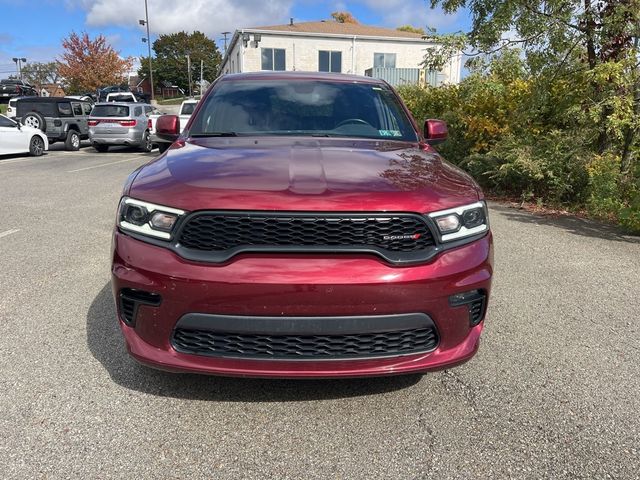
16, 138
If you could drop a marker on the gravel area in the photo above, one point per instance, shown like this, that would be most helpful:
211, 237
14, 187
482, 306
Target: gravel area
553, 392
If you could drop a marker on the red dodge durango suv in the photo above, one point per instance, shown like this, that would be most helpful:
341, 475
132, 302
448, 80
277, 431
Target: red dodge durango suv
301, 225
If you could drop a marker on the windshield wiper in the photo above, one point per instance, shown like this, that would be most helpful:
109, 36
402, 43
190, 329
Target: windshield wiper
215, 134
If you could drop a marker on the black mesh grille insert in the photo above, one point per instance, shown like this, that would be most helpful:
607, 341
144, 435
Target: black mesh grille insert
216, 232
476, 310
130, 299
292, 347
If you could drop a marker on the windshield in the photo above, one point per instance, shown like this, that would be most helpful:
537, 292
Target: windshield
187, 108
303, 107
110, 111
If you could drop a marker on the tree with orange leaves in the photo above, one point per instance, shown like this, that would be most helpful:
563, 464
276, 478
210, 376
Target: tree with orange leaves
344, 17
87, 65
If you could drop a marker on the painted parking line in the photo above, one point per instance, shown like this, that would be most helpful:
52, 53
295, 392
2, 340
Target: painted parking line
102, 165
18, 160
9, 232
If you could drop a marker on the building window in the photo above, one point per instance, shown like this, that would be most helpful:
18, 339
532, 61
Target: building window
384, 60
329, 61
273, 59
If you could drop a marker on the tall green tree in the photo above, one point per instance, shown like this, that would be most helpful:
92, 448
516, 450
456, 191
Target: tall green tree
40, 73
170, 62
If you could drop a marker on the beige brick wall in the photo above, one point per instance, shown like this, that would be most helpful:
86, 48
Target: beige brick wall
302, 54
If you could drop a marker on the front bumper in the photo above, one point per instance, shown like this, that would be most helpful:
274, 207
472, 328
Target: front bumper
287, 286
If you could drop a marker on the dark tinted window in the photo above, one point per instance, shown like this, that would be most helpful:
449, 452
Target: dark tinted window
304, 107
137, 111
77, 109
110, 111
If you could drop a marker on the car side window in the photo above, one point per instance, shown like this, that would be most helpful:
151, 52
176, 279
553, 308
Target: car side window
77, 109
137, 112
5, 122
86, 108
147, 109
64, 109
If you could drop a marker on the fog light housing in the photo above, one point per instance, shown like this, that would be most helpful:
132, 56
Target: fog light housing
476, 302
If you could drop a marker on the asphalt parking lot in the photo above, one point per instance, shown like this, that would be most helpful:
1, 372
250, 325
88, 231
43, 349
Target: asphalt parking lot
553, 393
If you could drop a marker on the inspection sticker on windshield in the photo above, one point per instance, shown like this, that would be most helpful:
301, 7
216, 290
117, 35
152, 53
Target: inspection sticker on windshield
390, 133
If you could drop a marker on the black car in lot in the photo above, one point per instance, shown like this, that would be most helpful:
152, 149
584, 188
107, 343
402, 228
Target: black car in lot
62, 119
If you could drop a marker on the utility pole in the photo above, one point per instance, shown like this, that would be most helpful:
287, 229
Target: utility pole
148, 42
201, 76
225, 41
189, 72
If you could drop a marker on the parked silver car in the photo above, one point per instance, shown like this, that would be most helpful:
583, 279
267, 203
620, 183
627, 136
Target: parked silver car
119, 123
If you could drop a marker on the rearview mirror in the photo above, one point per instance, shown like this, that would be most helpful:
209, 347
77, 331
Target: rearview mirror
168, 127
435, 131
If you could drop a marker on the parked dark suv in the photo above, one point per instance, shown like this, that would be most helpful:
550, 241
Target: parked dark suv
301, 225
62, 119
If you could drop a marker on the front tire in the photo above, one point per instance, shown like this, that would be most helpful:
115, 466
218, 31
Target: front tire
72, 143
100, 148
36, 146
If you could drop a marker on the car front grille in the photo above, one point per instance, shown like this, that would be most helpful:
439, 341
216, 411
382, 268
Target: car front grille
391, 234
305, 347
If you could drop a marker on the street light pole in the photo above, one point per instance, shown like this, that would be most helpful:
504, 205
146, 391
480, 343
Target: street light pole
189, 72
19, 61
146, 22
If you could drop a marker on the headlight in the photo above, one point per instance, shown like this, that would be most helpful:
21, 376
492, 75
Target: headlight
462, 222
147, 218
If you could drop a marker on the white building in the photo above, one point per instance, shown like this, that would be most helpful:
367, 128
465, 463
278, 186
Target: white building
329, 46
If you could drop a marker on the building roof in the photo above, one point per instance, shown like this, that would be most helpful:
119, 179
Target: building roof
336, 28
289, 75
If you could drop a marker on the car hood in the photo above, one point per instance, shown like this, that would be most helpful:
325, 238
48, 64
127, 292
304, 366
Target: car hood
285, 173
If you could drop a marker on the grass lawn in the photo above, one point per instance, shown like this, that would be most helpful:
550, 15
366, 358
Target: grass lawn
3, 108
175, 101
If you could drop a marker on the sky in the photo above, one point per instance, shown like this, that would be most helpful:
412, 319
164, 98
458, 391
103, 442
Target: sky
34, 29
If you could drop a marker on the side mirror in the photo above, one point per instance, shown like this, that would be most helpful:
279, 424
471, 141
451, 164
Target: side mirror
435, 131
168, 127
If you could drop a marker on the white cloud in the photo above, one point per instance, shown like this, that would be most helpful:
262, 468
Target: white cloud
169, 16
